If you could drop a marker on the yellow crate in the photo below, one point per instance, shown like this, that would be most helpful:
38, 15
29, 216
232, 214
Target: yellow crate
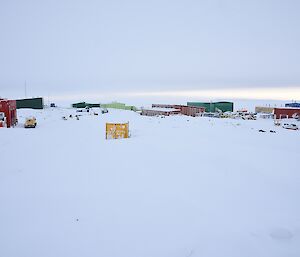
117, 130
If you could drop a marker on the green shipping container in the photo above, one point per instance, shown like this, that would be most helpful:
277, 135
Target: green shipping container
30, 103
213, 106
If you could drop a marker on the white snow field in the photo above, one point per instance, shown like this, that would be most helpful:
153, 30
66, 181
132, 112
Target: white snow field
179, 187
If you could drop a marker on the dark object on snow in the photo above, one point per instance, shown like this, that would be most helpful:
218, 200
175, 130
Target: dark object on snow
96, 113
272, 131
52, 105
104, 110
261, 130
71, 116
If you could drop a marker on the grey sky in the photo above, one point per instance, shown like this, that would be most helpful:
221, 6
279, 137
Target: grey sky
60, 46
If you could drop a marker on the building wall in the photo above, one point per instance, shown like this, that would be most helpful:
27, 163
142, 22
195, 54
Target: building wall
131, 108
263, 109
121, 106
147, 112
213, 106
180, 109
9, 108
286, 112
84, 104
184, 109
224, 106
30, 103
114, 105
208, 106
295, 105
191, 110
163, 106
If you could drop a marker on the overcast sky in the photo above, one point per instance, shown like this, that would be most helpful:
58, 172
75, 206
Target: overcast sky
133, 45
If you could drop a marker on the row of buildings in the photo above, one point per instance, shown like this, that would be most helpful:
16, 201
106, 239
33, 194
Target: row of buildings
190, 109
167, 110
8, 108
197, 108
113, 105
291, 110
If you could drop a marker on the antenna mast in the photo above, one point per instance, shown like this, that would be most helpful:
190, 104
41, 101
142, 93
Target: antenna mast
25, 89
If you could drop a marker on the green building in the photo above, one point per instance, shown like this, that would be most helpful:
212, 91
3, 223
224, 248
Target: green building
30, 103
114, 105
84, 104
121, 106
213, 106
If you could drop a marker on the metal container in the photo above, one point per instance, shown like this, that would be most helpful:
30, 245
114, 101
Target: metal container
9, 108
117, 130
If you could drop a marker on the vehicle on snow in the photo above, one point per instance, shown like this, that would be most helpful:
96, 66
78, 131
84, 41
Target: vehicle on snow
30, 122
104, 110
291, 126
86, 109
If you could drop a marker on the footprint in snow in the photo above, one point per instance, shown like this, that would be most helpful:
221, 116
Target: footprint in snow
281, 234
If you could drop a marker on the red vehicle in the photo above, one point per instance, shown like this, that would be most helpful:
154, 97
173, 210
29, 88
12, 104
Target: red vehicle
9, 108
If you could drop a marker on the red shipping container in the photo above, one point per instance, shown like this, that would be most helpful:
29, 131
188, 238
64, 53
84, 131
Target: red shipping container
9, 108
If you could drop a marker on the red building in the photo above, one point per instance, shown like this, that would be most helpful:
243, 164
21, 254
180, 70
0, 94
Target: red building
9, 108
183, 109
281, 113
163, 106
160, 111
191, 110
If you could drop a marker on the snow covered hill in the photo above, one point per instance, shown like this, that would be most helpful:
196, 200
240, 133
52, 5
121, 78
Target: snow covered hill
179, 187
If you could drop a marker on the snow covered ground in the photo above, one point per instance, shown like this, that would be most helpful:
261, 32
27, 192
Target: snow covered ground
179, 187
